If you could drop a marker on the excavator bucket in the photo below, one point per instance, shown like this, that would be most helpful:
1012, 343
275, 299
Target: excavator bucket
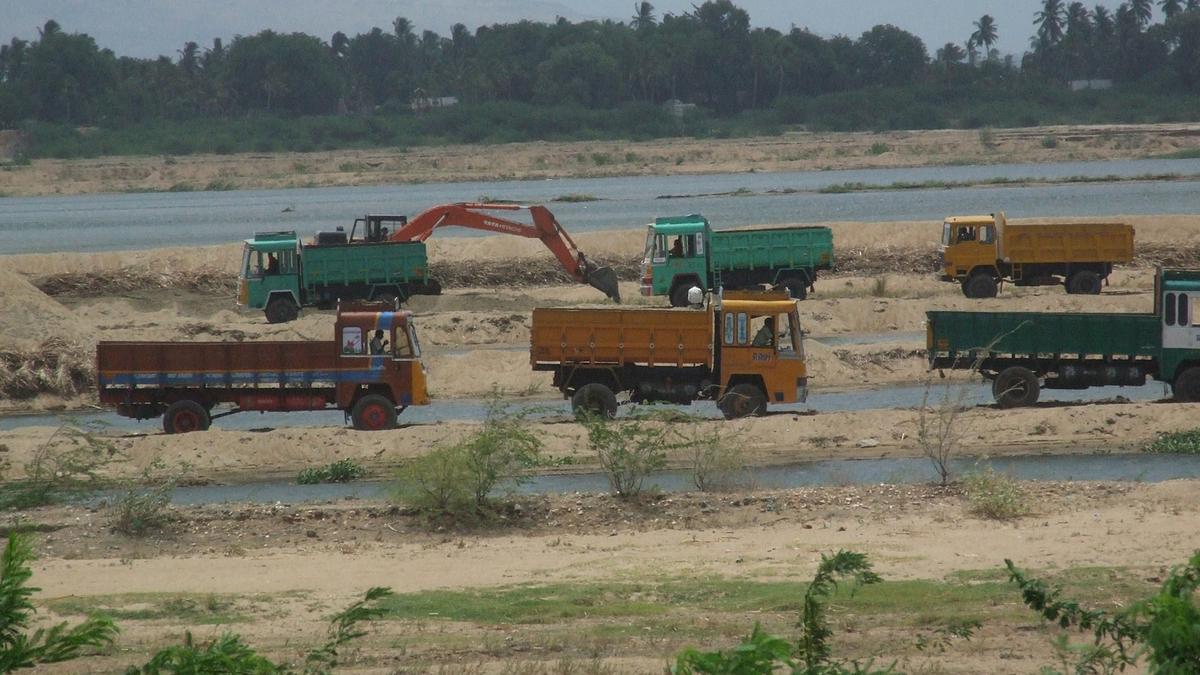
604, 279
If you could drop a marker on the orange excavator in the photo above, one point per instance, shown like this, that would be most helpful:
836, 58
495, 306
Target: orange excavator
477, 216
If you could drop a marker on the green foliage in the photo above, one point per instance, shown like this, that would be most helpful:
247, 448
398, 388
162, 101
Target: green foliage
66, 465
457, 480
341, 471
19, 649
629, 449
1049, 141
141, 507
1176, 443
718, 462
991, 494
811, 655
229, 654
1162, 628
879, 148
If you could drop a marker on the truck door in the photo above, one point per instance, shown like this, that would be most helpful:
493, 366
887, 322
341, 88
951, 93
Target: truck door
1181, 327
765, 347
679, 256
409, 376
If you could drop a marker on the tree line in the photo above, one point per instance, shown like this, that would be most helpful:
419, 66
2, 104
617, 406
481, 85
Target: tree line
710, 56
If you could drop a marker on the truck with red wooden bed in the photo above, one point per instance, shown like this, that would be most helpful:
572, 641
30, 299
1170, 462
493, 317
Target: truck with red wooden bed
371, 370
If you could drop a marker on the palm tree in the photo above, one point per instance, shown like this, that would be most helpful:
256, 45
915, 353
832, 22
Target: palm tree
1171, 7
339, 44
1050, 22
189, 57
1078, 21
985, 33
643, 15
49, 28
949, 55
1143, 11
1102, 21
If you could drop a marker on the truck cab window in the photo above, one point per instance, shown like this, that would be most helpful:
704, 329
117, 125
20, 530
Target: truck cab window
1183, 309
966, 234
986, 234
729, 321
743, 328
1169, 310
947, 233
698, 244
352, 341
677, 247
403, 345
247, 252
660, 248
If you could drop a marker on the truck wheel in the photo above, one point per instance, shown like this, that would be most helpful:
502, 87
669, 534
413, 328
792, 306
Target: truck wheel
679, 295
373, 413
595, 399
742, 400
1186, 388
281, 309
185, 416
796, 286
1015, 387
980, 286
1084, 282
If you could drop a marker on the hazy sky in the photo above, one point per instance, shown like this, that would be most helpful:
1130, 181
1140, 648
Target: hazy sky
149, 28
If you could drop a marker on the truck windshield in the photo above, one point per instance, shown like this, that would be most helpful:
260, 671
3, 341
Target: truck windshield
412, 337
947, 233
246, 261
648, 254
791, 343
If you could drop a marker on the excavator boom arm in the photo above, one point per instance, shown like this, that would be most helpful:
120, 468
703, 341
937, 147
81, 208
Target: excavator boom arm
545, 227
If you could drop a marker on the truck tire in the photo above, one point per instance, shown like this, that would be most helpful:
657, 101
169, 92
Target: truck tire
185, 416
281, 309
1016, 387
742, 400
373, 413
979, 286
1186, 387
796, 286
1084, 282
679, 295
594, 398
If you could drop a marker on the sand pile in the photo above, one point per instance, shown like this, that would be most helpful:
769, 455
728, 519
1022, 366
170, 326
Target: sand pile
126, 279
28, 317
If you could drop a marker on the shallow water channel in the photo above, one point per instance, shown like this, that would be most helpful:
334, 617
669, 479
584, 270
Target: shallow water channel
834, 472
473, 410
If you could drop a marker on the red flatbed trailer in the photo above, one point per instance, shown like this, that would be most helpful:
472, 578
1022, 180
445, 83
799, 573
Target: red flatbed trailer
184, 381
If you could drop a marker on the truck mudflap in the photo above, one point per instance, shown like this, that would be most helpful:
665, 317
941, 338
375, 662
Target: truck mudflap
801, 389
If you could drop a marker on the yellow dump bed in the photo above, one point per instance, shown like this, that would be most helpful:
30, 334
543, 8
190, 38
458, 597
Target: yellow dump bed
620, 336
1066, 242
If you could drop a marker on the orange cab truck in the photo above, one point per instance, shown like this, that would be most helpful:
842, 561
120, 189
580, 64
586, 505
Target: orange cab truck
742, 353
981, 251
371, 369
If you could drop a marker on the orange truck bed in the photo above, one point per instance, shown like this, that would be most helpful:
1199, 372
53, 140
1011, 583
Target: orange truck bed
618, 336
1066, 242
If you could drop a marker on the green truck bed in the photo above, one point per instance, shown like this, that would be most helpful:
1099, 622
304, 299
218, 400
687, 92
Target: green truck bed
379, 264
952, 337
776, 248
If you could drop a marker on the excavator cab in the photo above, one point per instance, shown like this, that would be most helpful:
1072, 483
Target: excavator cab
375, 228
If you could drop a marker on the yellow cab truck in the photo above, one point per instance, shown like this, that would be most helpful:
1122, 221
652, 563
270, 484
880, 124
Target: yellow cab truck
979, 252
743, 351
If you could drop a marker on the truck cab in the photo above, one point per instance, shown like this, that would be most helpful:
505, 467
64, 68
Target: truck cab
968, 242
269, 277
675, 257
760, 354
379, 363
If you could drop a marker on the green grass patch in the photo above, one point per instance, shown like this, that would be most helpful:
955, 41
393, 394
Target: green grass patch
341, 471
191, 608
1176, 443
1186, 153
575, 198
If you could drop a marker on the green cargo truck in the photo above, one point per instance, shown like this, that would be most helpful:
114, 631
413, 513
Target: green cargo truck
682, 252
1025, 352
280, 274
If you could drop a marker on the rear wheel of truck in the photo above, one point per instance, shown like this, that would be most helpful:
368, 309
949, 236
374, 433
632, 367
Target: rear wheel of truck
797, 287
980, 286
594, 399
185, 416
1084, 282
1015, 387
1186, 387
281, 309
742, 400
373, 413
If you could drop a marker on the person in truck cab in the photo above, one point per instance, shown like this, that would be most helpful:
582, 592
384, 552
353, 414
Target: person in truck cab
378, 343
272, 264
765, 337
677, 248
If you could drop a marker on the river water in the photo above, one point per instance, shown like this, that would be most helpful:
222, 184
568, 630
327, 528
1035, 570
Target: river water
151, 220
834, 472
